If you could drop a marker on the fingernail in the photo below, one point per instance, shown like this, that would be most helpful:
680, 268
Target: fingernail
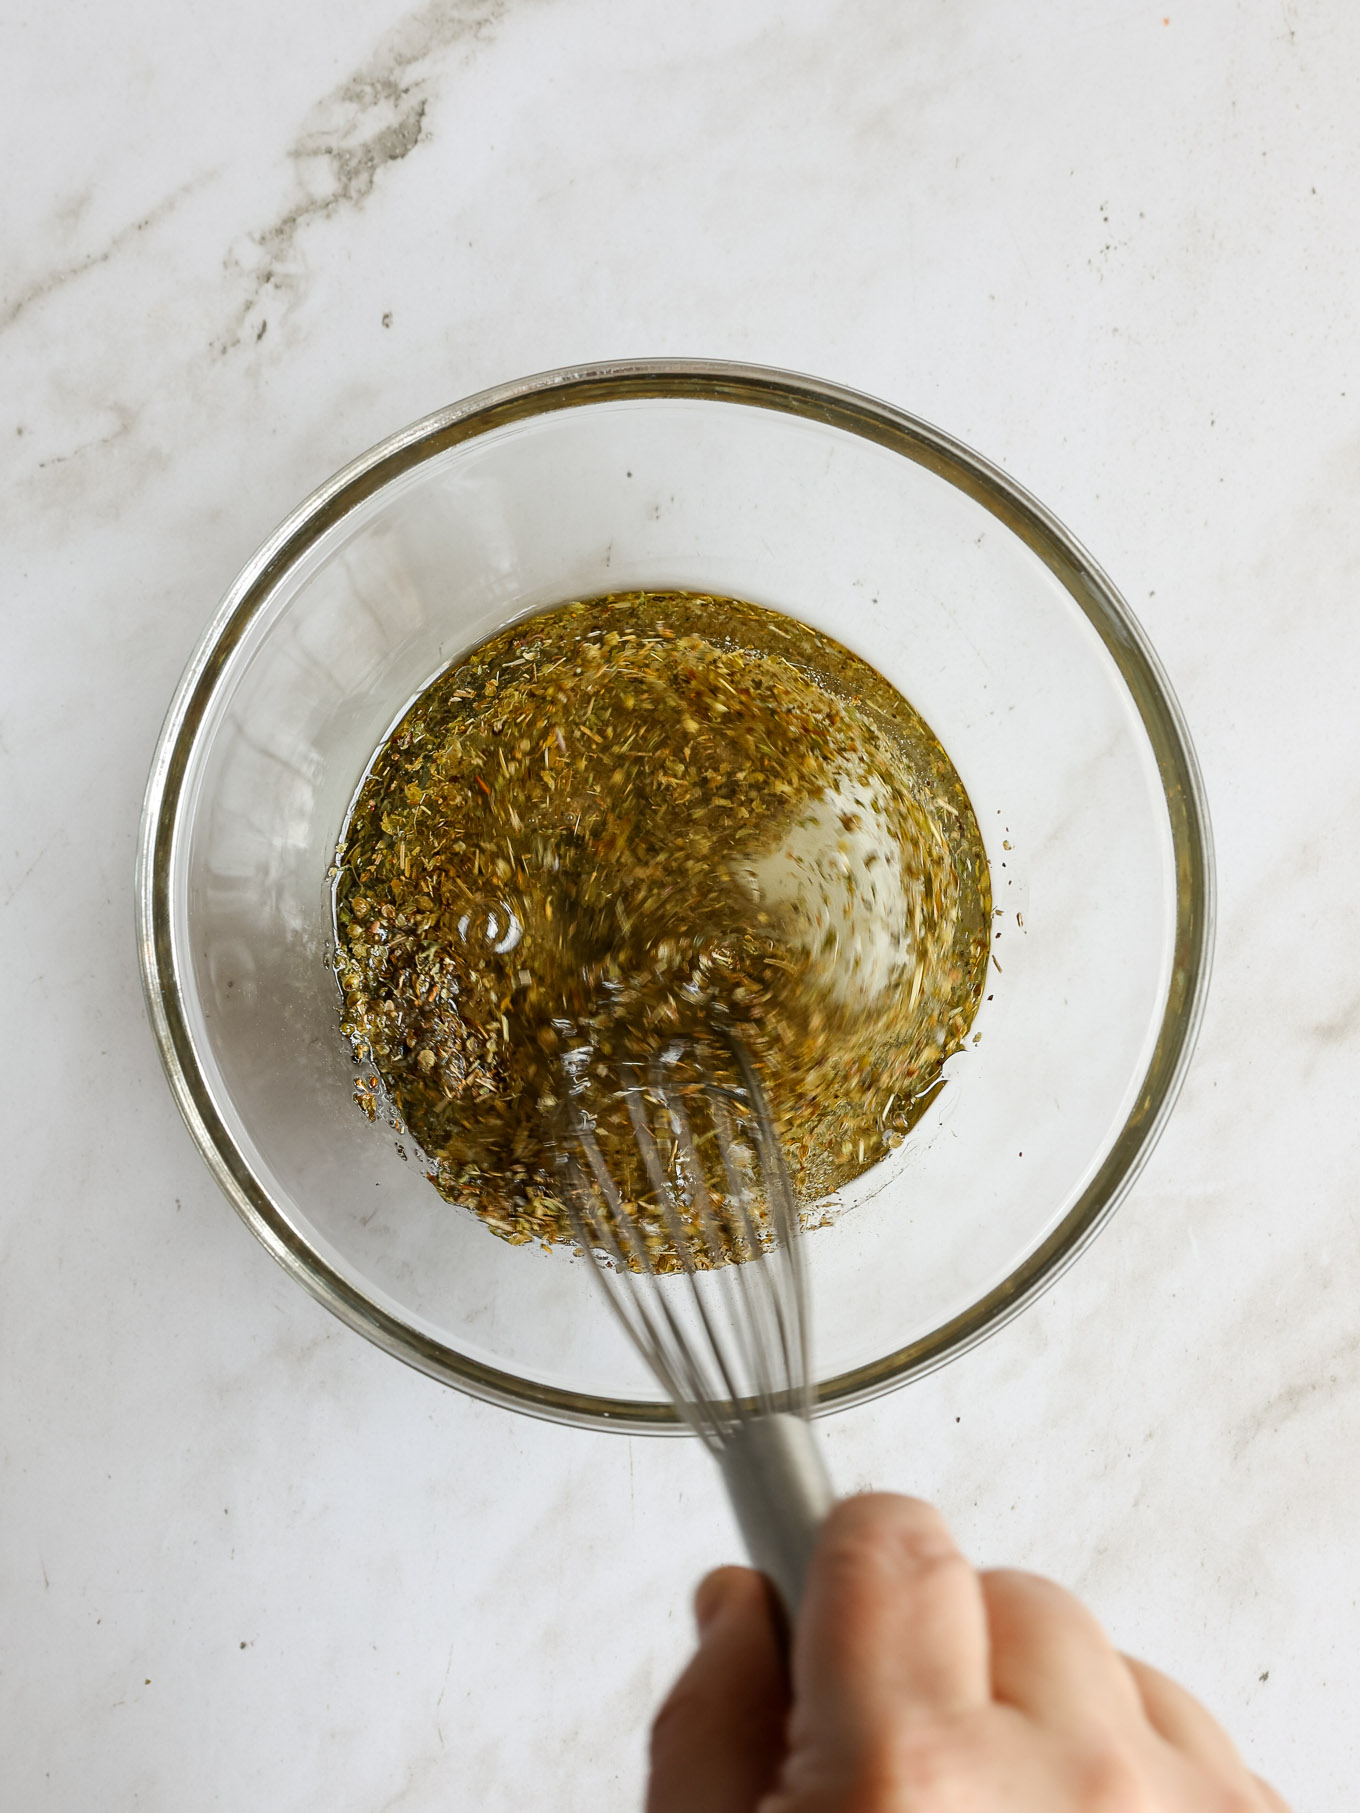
710, 1596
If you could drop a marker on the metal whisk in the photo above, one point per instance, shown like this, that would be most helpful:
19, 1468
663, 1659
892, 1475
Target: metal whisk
727, 1337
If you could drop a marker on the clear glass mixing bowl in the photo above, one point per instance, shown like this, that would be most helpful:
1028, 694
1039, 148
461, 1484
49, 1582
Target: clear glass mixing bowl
792, 493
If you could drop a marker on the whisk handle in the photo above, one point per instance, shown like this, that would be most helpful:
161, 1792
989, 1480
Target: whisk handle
781, 1492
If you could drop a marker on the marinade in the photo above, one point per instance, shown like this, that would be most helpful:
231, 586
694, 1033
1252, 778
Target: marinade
620, 828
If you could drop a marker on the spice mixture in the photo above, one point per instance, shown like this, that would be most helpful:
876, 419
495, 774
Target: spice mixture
619, 825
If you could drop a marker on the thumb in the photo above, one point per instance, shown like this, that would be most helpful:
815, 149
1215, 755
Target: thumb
718, 1740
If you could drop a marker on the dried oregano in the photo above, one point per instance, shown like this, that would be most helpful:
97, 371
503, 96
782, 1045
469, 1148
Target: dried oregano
620, 822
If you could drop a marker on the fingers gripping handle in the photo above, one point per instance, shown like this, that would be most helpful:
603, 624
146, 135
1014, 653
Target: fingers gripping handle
781, 1493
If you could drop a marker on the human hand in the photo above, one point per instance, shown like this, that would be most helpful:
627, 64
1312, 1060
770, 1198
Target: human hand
921, 1686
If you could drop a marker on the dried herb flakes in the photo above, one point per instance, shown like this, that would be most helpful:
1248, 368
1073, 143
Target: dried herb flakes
617, 823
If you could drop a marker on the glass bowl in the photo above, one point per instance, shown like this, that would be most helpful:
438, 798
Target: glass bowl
789, 492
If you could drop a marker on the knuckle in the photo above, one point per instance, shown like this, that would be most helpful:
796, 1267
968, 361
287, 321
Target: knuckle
1109, 1780
1240, 1797
1018, 1580
1012, 1584
884, 1518
1105, 1779
854, 1556
929, 1765
896, 1768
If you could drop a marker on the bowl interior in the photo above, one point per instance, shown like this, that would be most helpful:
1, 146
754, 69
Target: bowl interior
362, 601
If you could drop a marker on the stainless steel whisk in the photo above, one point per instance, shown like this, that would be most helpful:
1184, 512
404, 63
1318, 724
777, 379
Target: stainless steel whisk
727, 1339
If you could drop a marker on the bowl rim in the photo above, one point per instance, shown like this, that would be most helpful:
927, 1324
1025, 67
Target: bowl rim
755, 386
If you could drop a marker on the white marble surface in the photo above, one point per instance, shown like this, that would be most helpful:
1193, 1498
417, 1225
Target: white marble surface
248, 1561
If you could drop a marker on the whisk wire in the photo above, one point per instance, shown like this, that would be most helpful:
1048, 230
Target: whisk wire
753, 1358
651, 1158
610, 1231
746, 1330
784, 1214
759, 1284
